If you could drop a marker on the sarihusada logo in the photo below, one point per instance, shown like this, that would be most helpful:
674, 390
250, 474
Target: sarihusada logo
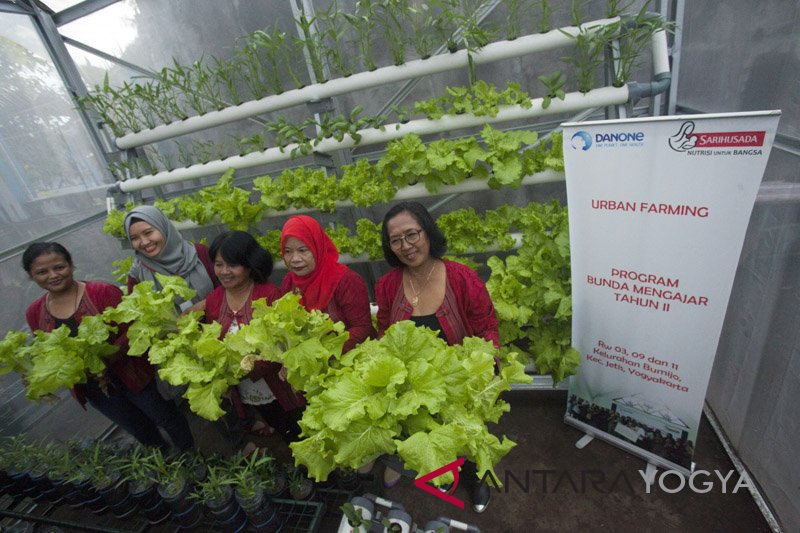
687, 139
581, 141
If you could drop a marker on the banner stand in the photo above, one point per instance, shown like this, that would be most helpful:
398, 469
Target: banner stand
652, 460
658, 211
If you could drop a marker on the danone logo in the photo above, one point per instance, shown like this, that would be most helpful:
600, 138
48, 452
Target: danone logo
422, 483
687, 139
581, 141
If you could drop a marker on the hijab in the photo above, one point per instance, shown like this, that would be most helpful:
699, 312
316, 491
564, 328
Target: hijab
177, 258
316, 288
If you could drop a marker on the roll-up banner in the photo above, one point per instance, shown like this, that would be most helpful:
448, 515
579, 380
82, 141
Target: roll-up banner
658, 210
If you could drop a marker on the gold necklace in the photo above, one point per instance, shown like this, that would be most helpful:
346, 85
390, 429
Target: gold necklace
415, 299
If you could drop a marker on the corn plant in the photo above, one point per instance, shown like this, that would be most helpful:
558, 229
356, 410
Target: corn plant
392, 17
312, 40
545, 16
588, 55
335, 30
362, 22
227, 73
422, 21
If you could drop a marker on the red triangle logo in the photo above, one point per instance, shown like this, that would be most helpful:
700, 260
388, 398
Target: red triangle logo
422, 483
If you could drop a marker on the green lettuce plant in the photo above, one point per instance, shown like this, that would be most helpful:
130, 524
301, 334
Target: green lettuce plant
408, 393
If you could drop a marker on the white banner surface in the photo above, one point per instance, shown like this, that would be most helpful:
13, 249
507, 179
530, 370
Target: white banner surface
658, 210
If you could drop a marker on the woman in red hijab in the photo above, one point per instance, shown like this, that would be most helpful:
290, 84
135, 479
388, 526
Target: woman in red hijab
323, 283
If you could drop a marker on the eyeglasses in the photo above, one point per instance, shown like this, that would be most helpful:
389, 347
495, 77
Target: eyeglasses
410, 237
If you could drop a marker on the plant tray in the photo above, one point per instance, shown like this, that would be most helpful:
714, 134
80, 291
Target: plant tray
300, 516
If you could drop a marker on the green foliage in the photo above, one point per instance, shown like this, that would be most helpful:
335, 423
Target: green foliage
299, 188
151, 312
480, 99
56, 360
555, 87
531, 291
14, 355
121, 269
286, 333
412, 394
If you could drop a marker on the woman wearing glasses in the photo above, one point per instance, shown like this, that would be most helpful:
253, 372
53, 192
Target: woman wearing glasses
322, 282
445, 296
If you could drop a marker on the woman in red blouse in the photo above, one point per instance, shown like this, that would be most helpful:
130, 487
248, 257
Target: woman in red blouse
126, 394
445, 296
323, 283
243, 268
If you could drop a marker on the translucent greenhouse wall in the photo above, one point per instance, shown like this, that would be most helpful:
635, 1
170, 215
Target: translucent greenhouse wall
736, 55
741, 56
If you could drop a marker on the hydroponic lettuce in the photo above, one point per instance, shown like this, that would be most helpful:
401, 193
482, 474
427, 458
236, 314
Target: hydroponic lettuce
54, 360
285, 332
408, 393
191, 353
151, 312
532, 292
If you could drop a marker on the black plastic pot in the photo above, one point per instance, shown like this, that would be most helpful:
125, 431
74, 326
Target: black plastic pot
261, 513
19, 482
117, 496
228, 514
40, 488
278, 487
150, 503
185, 512
348, 480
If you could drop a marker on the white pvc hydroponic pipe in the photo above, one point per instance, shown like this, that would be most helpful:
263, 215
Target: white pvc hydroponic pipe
497, 51
573, 102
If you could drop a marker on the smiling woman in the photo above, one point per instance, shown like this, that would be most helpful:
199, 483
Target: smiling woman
243, 268
323, 283
126, 393
444, 296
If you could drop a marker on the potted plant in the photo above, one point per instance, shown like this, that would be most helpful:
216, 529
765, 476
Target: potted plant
138, 471
15, 459
250, 475
216, 492
173, 476
300, 486
104, 466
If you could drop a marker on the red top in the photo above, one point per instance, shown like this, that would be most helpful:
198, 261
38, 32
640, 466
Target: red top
467, 309
134, 372
202, 255
349, 304
217, 310
316, 288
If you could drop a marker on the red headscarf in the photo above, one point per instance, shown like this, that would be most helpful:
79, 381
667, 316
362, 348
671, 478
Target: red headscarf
318, 287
